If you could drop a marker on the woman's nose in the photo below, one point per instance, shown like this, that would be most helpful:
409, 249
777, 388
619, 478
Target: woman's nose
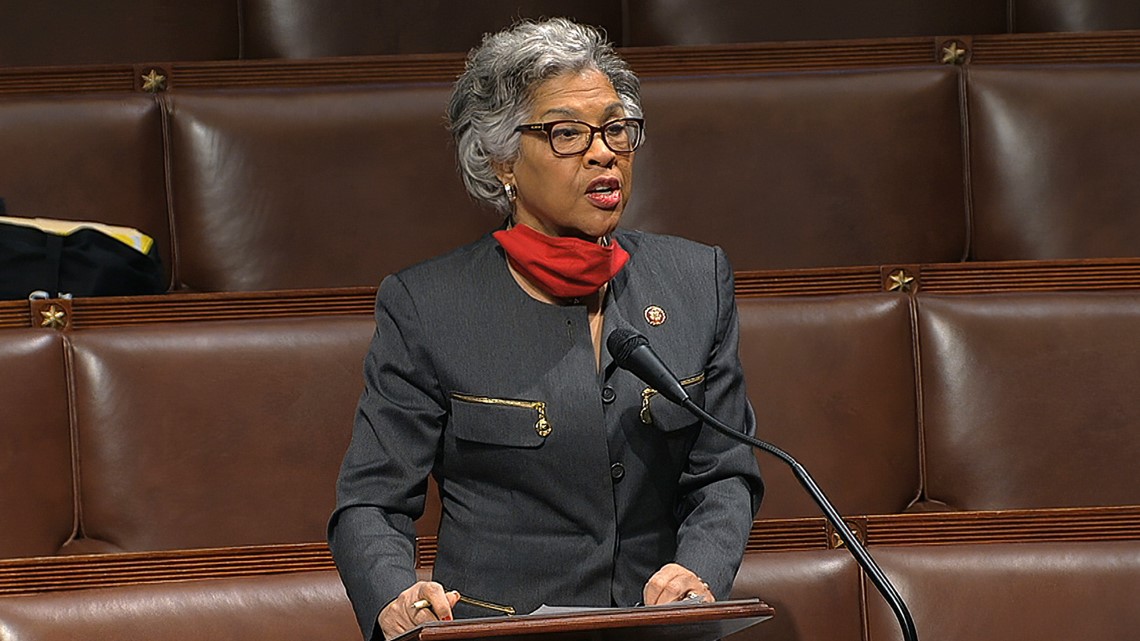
598, 153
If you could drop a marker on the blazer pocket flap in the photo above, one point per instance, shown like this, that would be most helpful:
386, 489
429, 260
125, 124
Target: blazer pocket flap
498, 421
666, 415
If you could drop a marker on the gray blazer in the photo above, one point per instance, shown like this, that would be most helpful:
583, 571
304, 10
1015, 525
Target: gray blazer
559, 484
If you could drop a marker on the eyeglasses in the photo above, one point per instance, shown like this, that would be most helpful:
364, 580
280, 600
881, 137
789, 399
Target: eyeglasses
574, 137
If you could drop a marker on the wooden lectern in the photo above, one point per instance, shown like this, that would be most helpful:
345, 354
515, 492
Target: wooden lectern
681, 622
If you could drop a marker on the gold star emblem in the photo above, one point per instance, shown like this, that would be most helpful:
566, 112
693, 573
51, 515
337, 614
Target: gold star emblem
953, 54
154, 82
53, 317
900, 281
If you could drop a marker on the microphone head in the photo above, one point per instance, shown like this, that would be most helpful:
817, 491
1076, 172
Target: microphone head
622, 341
631, 352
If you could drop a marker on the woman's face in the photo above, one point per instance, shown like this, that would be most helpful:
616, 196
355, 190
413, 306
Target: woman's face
583, 195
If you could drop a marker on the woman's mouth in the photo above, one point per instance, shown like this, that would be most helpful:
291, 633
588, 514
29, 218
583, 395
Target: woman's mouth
604, 192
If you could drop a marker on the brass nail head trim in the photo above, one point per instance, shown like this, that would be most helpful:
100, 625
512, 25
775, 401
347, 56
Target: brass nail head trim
953, 53
54, 317
900, 281
154, 82
837, 541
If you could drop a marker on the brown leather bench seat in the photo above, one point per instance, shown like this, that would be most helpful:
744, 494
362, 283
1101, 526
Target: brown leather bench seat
955, 592
1012, 401
896, 403
335, 184
263, 197
214, 434
132, 30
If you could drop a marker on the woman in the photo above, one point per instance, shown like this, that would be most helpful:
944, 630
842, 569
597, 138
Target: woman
563, 480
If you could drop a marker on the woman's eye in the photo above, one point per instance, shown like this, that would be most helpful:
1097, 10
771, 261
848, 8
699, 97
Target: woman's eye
566, 133
616, 130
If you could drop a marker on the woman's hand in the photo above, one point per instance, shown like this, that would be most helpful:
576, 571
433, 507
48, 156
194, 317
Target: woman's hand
676, 583
424, 601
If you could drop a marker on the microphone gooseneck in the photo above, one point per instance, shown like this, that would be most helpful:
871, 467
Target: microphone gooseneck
631, 352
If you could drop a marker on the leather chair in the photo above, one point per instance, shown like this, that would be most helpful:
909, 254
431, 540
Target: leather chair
36, 500
314, 187
95, 157
1029, 400
806, 170
308, 29
118, 31
686, 22
287, 607
1051, 153
1044, 591
832, 382
816, 595
213, 434
1073, 15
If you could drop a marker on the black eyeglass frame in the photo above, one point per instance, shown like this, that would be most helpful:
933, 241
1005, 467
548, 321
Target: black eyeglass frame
548, 129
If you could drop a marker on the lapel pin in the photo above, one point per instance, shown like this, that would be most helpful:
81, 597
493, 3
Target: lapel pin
654, 315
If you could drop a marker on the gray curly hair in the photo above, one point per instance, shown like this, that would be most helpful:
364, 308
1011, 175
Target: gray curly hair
495, 93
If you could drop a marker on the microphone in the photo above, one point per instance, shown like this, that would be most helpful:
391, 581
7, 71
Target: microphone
631, 351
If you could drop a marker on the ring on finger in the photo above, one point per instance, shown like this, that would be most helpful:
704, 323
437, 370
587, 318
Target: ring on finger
694, 596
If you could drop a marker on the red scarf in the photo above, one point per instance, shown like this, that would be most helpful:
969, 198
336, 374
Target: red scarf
563, 267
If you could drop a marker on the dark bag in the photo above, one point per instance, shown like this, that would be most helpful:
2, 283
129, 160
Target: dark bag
84, 262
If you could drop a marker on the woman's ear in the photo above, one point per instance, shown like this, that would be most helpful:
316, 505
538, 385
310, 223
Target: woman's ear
504, 171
